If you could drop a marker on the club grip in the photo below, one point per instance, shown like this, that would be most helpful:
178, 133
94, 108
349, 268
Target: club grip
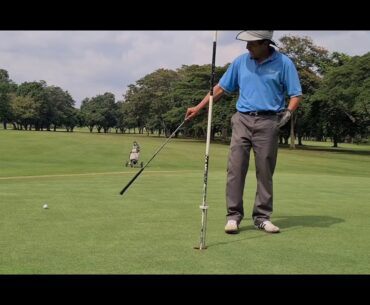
131, 181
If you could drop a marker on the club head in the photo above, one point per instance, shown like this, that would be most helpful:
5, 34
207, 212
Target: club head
199, 248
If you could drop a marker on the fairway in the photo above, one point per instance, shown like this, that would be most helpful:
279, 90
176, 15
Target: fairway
321, 204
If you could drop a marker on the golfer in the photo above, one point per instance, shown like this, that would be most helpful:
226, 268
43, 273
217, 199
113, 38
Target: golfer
264, 77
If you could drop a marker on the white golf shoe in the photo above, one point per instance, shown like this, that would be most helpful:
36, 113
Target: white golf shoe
232, 227
268, 227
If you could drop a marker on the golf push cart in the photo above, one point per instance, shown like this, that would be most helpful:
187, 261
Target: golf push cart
134, 156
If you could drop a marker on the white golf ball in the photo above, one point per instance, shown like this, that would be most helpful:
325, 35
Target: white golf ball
45, 206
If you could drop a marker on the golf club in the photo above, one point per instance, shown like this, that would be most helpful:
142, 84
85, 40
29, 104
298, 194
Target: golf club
204, 206
158, 150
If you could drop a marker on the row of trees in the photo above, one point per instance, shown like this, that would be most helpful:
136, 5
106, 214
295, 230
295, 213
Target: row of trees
35, 105
336, 94
336, 101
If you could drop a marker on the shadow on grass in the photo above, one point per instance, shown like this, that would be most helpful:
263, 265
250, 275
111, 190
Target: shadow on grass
342, 150
239, 239
286, 223
311, 221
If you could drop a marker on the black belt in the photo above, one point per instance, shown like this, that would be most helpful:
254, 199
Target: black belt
257, 113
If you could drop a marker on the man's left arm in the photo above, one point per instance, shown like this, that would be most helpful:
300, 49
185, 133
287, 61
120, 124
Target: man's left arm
294, 102
292, 105
294, 90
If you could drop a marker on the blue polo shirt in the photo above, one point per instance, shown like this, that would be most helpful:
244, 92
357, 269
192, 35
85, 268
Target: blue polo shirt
262, 86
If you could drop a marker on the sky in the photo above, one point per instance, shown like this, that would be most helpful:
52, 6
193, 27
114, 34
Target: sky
89, 63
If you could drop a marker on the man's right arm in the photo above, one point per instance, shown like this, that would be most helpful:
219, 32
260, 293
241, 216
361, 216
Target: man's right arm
193, 111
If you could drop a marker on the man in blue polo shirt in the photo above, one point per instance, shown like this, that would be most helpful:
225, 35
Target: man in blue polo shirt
264, 77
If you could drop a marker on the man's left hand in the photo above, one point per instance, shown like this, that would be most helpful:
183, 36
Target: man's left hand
285, 118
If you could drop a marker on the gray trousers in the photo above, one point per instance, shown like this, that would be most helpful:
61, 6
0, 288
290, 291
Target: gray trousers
261, 134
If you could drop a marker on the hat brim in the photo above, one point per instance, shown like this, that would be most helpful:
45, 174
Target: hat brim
244, 36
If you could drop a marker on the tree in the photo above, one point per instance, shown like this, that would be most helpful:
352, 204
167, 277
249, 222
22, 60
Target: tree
61, 110
6, 88
99, 112
137, 104
26, 111
147, 101
344, 99
38, 94
193, 85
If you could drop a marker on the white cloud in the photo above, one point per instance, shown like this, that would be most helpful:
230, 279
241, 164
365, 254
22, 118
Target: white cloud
349, 42
87, 63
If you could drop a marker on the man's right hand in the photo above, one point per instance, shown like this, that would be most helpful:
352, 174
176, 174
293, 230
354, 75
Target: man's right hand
191, 112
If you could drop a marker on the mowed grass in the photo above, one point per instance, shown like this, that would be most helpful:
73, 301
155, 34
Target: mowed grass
322, 204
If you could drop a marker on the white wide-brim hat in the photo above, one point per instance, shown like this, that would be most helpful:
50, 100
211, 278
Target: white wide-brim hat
255, 35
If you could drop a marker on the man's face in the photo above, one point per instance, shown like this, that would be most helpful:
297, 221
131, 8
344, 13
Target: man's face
255, 48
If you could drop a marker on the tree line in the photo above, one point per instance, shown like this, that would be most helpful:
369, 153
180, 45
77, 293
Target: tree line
336, 101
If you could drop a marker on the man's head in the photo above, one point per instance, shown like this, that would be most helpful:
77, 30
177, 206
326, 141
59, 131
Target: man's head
258, 42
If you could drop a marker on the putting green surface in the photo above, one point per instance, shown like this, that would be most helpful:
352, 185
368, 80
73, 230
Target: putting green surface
321, 205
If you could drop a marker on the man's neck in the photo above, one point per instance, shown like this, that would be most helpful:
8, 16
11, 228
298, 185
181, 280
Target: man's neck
265, 55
